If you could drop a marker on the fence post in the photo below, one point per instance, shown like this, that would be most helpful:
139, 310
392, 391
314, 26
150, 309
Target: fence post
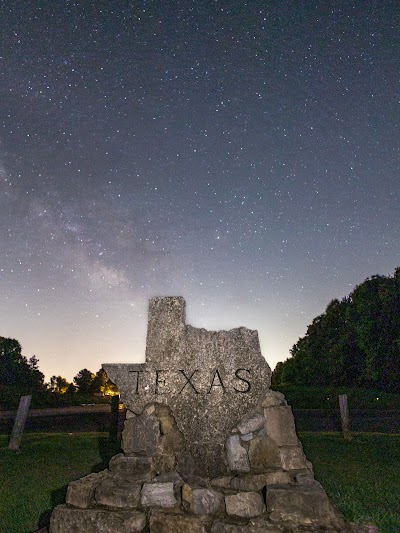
19, 423
114, 417
344, 415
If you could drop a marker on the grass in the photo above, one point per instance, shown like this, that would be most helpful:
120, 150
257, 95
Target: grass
360, 476
35, 480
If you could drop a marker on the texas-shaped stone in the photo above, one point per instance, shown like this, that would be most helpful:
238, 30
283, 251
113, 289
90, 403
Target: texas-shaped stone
209, 379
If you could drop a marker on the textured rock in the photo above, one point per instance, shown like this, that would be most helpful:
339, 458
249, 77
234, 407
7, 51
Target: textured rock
279, 423
117, 494
135, 469
251, 422
80, 493
158, 494
244, 504
273, 398
176, 523
223, 482
264, 454
205, 501
293, 458
303, 505
238, 459
141, 435
210, 379
170, 477
261, 527
256, 482
67, 520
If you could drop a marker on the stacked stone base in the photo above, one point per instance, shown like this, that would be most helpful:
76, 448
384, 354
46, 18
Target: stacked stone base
267, 485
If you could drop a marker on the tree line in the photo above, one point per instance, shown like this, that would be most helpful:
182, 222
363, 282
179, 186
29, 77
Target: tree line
19, 375
355, 342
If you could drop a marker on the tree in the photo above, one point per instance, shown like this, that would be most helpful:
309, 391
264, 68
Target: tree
59, 384
83, 381
355, 342
15, 370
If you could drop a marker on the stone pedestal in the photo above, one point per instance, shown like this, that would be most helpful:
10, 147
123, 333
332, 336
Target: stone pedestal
208, 447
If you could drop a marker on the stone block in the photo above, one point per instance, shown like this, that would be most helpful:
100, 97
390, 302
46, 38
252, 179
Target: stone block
169, 477
236, 454
264, 454
293, 458
117, 494
187, 493
141, 435
164, 463
176, 523
80, 493
304, 505
66, 520
244, 504
158, 494
223, 482
279, 423
135, 469
256, 482
251, 423
257, 527
205, 501
247, 437
273, 399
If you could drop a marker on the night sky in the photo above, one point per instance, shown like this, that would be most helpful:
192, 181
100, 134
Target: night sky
244, 155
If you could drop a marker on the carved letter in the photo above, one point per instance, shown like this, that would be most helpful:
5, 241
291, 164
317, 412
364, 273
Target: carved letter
188, 381
137, 372
159, 382
242, 379
213, 384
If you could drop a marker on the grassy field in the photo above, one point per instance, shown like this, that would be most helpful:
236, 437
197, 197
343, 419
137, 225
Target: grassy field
360, 476
35, 480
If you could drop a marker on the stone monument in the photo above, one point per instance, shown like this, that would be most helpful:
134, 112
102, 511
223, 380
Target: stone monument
207, 446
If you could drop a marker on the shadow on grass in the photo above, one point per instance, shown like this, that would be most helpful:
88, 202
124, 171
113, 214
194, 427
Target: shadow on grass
108, 446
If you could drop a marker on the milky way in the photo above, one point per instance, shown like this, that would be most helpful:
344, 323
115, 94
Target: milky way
244, 155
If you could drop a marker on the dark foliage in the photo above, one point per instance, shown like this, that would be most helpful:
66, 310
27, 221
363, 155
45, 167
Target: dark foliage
16, 370
356, 342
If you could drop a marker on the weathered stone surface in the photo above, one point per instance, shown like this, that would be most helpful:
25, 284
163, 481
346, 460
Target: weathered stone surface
141, 435
256, 482
279, 423
244, 504
273, 398
261, 527
205, 501
238, 459
158, 494
170, 477
223, 482
251, 422
176, 523
136, 469
293, 458
153, 433
264, 454
80, 493
117, 494
302, 505
66, 520
210, 379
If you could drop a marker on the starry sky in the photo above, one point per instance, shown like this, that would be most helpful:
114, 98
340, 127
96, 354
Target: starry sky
242, 154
